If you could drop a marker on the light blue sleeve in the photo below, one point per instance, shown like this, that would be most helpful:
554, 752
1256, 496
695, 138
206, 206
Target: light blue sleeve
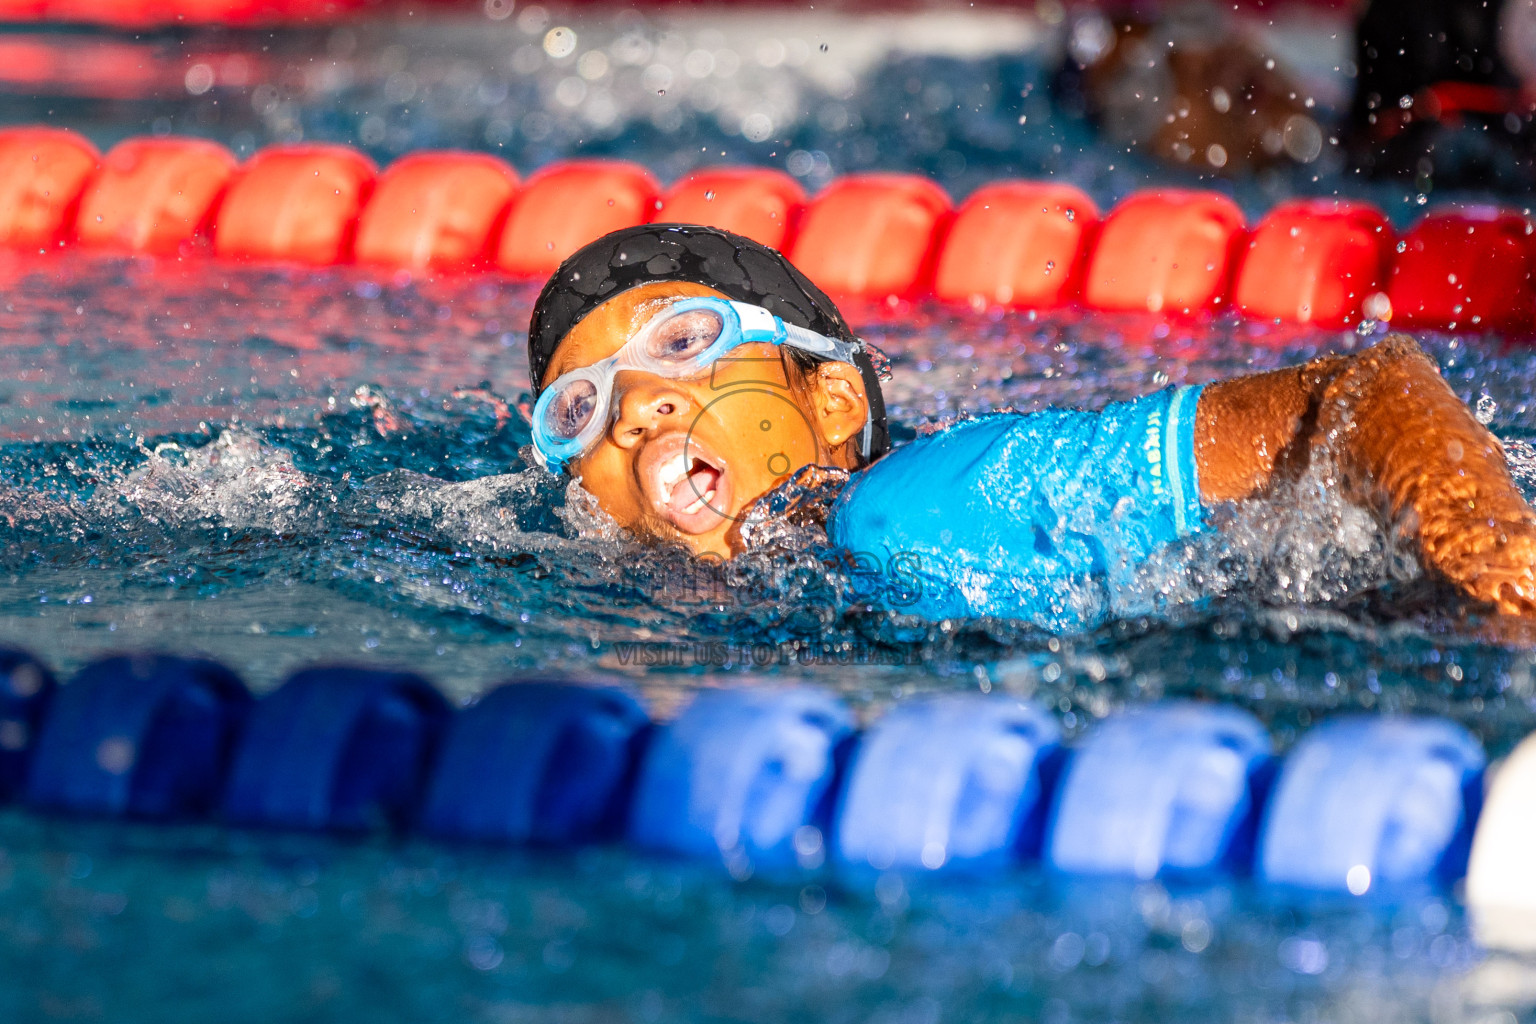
1034, 516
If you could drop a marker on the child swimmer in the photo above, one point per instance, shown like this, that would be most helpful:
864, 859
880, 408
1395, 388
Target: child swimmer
684, 372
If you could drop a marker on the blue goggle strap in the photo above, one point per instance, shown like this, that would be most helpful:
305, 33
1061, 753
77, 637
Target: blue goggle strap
757, 324
831, 349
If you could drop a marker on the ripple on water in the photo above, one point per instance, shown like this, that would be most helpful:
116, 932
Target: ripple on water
278, 467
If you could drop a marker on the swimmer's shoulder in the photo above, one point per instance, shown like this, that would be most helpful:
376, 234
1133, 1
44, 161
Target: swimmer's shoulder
958, 470
971, 466
960, 442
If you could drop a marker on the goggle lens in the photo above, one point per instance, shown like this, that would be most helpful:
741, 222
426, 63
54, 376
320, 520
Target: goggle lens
684, 337
570, 410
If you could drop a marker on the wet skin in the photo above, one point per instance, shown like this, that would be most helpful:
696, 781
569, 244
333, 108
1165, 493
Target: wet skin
678, 463
1401, 444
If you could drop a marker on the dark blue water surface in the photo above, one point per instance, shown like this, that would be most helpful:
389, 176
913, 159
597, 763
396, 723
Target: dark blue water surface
276, 466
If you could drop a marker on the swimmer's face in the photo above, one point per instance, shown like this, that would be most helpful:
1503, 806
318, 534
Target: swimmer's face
683, 460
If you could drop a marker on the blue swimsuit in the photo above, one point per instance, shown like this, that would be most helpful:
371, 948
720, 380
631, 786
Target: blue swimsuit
1041, 517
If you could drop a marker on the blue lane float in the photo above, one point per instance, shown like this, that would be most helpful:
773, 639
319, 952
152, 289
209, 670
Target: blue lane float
757, 778
26, 688
743, 774
957, 782
1363, 801
1166, 789
337, 748
536, 762
143, 735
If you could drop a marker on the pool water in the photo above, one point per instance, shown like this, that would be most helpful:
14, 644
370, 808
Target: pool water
277, 466
129, 922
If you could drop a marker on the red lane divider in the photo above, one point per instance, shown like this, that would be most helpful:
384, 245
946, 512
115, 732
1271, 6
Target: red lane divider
435, 210
148, 13
1014, 244
154, 195
42, 173
872, 235
761, 204
1468, 268
145, 13
568, 204
1018, 244
1315, 261
297, 203
1165, 251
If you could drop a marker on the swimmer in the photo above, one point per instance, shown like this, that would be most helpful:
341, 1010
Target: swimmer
682, 373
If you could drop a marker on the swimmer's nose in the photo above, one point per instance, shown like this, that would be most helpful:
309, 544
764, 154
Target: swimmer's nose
644, 407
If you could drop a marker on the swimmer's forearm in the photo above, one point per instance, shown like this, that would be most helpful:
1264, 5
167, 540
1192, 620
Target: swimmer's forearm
1400, 436
1401, 441
1407, 444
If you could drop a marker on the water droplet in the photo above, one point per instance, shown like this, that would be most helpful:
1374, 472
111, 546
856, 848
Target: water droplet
1486, 409
709, 196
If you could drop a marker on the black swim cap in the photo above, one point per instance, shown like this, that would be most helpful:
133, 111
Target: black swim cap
736, 266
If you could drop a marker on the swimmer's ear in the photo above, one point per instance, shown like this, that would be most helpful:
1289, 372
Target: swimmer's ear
837, 399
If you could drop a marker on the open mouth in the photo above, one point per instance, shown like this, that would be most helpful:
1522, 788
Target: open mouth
687, 485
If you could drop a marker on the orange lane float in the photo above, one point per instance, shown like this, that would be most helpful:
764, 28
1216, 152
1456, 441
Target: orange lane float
23, 10
1467, 267
118, 14
756, 202
873, 236
568, 204
1165, 251
42, 173
295, 202
150, 13
154, 195
1017, 244
435, 210
1315, 261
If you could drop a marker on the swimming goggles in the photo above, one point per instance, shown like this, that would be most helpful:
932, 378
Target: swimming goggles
681, 342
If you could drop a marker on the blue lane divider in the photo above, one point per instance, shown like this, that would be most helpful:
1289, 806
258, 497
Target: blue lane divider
947, 782
743, 773
26, 687
1362, 801
1160, 789
536, 762
140, 735
337, 747
751, 776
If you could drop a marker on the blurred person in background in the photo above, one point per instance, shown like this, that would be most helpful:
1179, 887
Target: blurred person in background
1443, 92
1188, 86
